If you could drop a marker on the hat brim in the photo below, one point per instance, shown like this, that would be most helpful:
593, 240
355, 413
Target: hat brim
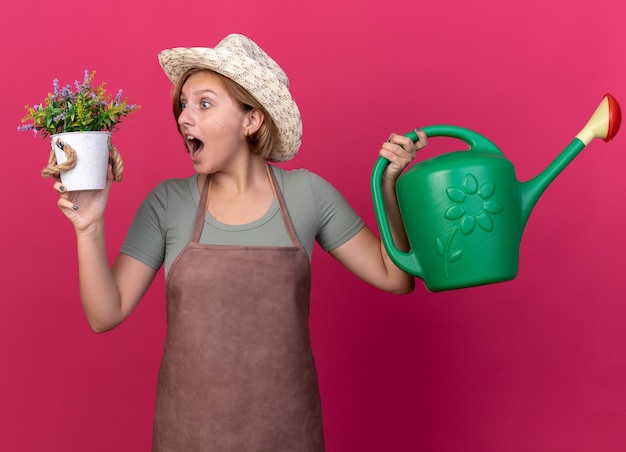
258, 80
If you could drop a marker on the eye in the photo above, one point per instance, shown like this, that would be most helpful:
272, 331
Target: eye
183, 105
205, 104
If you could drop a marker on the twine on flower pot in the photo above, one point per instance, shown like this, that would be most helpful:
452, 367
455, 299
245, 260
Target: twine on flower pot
55, 169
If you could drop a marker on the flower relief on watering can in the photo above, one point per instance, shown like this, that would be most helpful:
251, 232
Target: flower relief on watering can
473, 206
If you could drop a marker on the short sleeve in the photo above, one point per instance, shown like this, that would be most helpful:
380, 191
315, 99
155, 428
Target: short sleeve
338, 221
145, 240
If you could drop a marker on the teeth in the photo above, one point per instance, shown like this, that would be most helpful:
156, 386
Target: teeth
193, 144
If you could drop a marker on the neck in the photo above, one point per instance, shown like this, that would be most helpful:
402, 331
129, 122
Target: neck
229, 203
251, 176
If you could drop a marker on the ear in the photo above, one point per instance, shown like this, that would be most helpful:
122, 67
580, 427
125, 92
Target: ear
253, 121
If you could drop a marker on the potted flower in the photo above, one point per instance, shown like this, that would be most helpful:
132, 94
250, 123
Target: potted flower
80, 122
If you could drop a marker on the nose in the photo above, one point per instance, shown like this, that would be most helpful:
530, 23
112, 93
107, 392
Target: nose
186, 117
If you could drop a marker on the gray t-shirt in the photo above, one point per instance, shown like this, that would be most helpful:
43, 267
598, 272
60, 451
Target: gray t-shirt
163, 224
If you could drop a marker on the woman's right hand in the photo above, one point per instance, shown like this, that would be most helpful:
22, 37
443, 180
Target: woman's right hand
86, 207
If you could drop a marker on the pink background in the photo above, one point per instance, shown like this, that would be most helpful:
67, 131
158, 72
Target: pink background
536, 364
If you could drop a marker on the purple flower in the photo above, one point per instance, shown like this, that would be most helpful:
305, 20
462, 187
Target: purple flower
26, 127
67, 92
55, 85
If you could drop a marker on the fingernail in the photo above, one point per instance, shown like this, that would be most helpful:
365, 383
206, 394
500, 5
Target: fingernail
418, 129
75, 207
62, 188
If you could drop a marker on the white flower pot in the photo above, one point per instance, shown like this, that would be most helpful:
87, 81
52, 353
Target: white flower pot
92, 159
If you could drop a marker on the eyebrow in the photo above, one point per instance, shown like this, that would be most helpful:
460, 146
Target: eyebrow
203, 91
198, 92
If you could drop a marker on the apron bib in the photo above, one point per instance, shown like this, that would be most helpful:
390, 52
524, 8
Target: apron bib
238, 372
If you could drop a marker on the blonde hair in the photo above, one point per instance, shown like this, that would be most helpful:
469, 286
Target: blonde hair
260, 142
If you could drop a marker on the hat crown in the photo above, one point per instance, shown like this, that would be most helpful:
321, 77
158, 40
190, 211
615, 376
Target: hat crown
245, 47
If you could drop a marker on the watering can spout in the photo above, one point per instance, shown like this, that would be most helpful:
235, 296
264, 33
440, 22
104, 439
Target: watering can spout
604, 124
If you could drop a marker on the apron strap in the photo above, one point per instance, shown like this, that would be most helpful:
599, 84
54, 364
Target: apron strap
197, 228
283, 209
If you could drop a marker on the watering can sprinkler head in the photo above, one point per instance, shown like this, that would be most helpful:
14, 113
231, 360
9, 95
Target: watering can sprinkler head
464, 212
604, 123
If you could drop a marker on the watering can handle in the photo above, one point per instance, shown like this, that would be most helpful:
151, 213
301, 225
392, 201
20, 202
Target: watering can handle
407, 261
403, 260
474, 140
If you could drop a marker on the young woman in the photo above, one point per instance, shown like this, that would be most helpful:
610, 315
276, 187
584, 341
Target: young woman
236, 239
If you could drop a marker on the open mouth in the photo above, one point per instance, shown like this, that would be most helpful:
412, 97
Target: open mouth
194, 145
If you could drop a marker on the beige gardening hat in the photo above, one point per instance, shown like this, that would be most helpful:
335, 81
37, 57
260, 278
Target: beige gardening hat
243, 61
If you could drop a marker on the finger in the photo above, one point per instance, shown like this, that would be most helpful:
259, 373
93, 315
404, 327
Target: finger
65, 203
398, 159
398, 139
59, 187
402, 141
422, 138
392, 152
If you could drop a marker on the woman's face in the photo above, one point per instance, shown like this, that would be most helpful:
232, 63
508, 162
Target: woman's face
212, 123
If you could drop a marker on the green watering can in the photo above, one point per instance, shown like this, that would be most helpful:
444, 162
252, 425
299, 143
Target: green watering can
464, 212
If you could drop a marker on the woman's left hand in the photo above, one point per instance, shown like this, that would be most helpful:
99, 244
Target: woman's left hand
400, 151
